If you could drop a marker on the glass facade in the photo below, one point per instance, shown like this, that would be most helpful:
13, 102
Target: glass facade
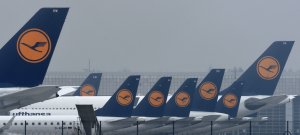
296, 116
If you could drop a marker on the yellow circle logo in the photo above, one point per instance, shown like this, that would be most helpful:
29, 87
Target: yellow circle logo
156, 98
34, 45
182, 99
268, 68
230, 100
87, 90
124, 97
208, 90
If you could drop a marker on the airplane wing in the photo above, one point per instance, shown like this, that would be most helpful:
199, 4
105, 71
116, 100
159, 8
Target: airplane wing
26, 97
210, 117
127, 120
255, 103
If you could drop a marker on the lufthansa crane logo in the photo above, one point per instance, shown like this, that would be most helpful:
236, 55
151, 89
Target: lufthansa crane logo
156, 99
208, 90
124, 97
34, 45
268, 68
87, 90
182, 99
230, 100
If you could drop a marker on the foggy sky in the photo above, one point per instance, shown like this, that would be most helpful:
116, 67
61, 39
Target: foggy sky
162, 35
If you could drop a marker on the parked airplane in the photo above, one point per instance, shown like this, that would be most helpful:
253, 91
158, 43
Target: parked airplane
206, 96
24, 60
118, 107
202, 105
55, 107
151, 107
228, 105
250, 102
153, 104
261, 79
89, 87
177, 107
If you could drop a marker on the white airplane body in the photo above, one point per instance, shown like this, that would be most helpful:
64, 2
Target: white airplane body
50, 124
66, 105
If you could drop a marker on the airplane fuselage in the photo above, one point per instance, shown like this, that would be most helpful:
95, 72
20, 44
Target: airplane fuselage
66, 106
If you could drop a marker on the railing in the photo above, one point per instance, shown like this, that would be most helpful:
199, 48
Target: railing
180, 127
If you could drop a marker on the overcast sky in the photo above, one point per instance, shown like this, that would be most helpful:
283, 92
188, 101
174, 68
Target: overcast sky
162, 35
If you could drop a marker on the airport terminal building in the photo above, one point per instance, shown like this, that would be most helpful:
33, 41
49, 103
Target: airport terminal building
284, 119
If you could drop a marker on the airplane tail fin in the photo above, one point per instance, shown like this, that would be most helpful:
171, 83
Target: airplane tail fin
262, 76
121, 103
206, 94
25, 58
229, 102
180, 103
154, 102
90, 86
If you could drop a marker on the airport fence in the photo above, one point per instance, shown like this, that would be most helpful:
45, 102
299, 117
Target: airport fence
179, 127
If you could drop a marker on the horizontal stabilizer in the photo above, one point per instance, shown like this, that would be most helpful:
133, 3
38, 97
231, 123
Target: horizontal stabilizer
255, 103
26, 97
